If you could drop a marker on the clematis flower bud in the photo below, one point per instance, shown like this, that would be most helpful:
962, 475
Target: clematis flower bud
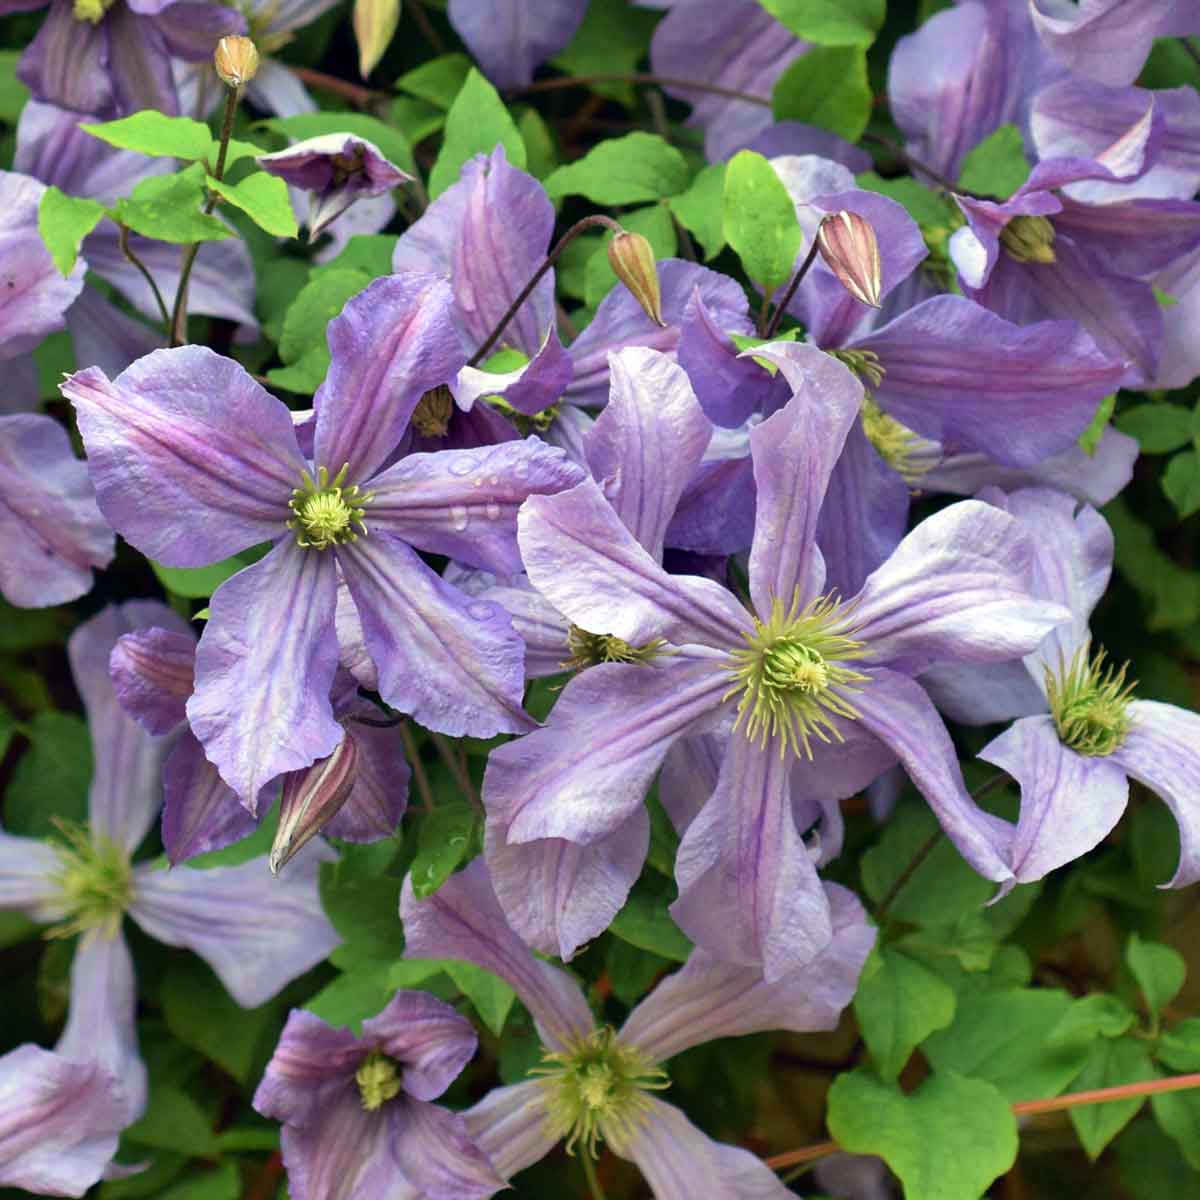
848, 246
236, 60
632, 259
311, 799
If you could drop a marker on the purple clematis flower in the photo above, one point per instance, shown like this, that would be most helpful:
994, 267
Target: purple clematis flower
1079, 735
336, 169
597, 1083
113, 57
804, 677
194, 461
86, 884
510, 38
358, 1122
59, 1122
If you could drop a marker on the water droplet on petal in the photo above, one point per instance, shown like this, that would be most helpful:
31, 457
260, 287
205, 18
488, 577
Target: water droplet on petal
464, 465
459, 518
479, 610
493, 511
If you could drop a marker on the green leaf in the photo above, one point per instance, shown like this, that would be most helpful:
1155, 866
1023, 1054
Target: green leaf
1158, 969
924, 205
248, 1137
352, 998
1089, 439
759, 220
1178, 1114
645, 922
198, 583
611, 40
997, 166
626, 170
221, 1182
1109, 1064
1181, 482
830, 22
387, 139
255, 845
370, 253
632, 970
698, 209
13, 93
828, 88
173, 1121
52, 777
477, 123
491, 996
541, 154
1171, 592
1159, 428
448, 838
899, 1003
1091, 1017
319, 301
64, 221
415, 119
305, 375
654, 224
364, 910
264, 199
163, 1168
946, 1141
437, 81
1179, 1048
157, 135
1150, 1164
167, 208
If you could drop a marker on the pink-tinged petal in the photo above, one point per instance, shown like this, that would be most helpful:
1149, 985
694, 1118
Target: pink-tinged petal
899, 713
52, 531
647, 443
102, 335
710, 999
589, 566
748, 888
390, 345
353, 655
1105, 40
794, 455
59, 1122
379, 798
264, 667
1179, 362
511, 1126
681, 1163
689, 774
439, 1155
126, 789
451, 662
101, 1026
1069, 802
463, 503
200, 811
310, 1059
27, 884
510, 38
957, 589
35, 296
585, 773
1162, 752
983, 694
557, 894
192, 460
956, 373
153, 672
67, 62
462, 920
208, 911
427, 1037
529, 389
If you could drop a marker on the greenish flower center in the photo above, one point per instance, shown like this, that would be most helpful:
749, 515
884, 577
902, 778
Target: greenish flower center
91, 11
792, 676
526, 424
326, 512
431, 417
378, 1079
864, 363
590, 649
96, 882
1029, 239
596, 1087
895, 443
1090, 703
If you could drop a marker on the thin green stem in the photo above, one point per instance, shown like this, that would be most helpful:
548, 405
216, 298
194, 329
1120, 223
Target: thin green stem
589, 1173
127, 250
418, 768
809, 259
457, 767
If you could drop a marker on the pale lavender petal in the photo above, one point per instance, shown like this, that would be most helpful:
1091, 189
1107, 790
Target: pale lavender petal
453, 663
379, 798
353, 655
207, 912
983, 694
28, 867
716, 511
200, 811
105, 337
153, 671
1162, 752
101, 1026
1179, 362
540, 625
710, 999
730, 388
67, 62
192, 459
1069, 802
509, 38
264, 667
59, 1122
52, 531
463, 503
529, 389
794, 137
511, 1126
588, 770
327, 163
440, 1156
1106, 40
689, 774
390, 345
557, 894
1136, 237
462, 920
647, 443
138, 61
748, 888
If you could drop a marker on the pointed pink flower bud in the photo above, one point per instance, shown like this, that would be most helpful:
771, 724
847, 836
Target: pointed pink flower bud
632, 259
848, 246
312, 798
236, 61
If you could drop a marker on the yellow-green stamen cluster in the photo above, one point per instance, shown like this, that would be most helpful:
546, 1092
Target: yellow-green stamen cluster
95, 883
1089, 702
590, 649
792, 678
596, 1088
864, 363
378, 1079
895, 443
525, 423
431, 417
326, 511
1029, 239
91, 11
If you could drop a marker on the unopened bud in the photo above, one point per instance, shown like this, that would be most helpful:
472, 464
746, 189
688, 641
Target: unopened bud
848, 246
1029, 239
236, 60
632, 259
311, 799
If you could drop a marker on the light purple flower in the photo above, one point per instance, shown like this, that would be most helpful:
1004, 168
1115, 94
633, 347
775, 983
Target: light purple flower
357, 1119
510, 38
518, 1125
88, 882
194, 461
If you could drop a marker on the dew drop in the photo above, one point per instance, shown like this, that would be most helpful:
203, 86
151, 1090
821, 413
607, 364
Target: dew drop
464, 465
493, 511
481, 612
459, 518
